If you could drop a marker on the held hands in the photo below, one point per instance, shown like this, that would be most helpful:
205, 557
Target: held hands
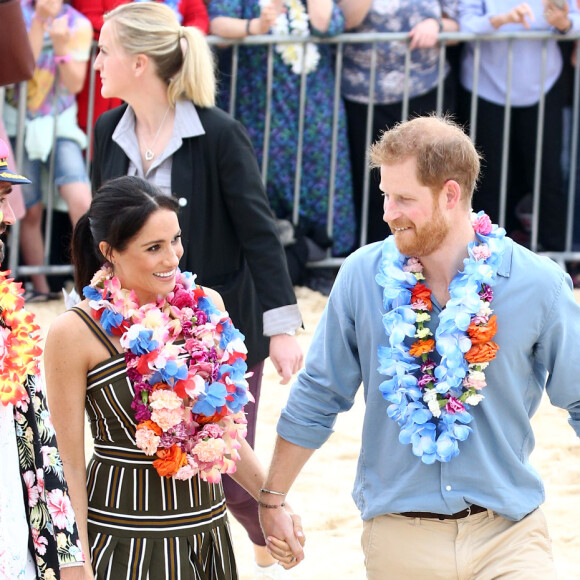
286, 355
284, 535
424, 34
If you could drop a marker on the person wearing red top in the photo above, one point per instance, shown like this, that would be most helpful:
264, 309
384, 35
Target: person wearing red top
191, 13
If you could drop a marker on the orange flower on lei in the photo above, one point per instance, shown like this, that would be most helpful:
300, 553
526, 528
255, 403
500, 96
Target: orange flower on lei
420, 292
480, 353
421, 347
19, 349
481, 334
170, 461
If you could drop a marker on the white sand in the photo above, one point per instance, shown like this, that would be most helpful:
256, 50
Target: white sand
322, 492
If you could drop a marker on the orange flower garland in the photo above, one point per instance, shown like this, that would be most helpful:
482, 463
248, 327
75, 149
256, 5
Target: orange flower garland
19, 342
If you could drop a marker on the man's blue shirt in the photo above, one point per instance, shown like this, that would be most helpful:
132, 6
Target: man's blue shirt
539, 349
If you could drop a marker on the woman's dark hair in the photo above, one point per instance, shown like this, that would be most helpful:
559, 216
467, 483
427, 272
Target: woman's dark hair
117, 213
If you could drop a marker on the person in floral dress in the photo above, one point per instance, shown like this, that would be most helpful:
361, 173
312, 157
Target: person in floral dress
38, 532
240, 18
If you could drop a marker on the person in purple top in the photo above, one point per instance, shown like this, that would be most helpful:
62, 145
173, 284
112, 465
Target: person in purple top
527, 85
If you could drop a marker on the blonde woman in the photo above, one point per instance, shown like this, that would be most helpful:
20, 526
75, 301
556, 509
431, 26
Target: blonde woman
170, 133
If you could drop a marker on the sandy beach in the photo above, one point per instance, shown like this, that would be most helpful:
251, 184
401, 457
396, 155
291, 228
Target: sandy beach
322, 492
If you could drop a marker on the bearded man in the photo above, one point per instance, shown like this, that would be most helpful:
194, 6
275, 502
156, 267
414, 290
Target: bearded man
38, 533
455, 332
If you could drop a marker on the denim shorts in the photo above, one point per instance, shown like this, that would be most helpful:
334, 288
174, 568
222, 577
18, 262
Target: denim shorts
69, 167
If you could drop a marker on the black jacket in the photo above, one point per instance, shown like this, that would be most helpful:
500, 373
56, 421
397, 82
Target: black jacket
228, 229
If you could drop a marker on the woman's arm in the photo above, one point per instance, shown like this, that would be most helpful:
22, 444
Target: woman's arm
251, 476
66, 362
44, 12
71, 72
320, 13
230, 27
354, 11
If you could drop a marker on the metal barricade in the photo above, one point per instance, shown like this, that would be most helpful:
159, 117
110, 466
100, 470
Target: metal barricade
374, 40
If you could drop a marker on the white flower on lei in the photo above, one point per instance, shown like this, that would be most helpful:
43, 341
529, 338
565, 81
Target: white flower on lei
430, 397
295, 22
485, 310
474, 399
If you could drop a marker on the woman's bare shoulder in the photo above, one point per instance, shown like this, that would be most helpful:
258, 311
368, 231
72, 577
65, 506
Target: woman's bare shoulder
68, 326
215, 296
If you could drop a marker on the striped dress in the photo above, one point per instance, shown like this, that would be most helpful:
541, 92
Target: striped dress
142, 526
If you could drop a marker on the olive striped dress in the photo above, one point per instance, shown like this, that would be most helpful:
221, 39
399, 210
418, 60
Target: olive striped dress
142, 526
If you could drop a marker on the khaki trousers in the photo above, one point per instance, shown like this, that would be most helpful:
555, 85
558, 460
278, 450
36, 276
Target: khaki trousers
484, 546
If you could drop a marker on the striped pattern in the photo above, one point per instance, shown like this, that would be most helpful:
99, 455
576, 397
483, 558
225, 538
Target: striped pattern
142, 526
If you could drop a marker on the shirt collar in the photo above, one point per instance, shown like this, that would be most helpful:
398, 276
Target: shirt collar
506, 262
187, 124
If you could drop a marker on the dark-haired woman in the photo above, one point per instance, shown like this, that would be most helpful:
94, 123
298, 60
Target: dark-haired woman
160, 369
171, 134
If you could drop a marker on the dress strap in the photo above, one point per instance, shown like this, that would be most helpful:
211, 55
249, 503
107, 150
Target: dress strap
96, 330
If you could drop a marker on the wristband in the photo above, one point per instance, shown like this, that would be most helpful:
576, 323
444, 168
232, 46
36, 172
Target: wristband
271, 505
264, 490
248, 21
62, 59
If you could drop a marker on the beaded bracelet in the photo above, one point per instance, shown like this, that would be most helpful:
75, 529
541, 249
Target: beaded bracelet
264, 490
271, 505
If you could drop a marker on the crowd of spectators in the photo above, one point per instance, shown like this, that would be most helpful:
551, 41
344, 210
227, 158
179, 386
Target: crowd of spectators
293, 129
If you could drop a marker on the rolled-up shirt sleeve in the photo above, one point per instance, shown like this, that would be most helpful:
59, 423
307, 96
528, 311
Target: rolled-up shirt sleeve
331, 377
558, 349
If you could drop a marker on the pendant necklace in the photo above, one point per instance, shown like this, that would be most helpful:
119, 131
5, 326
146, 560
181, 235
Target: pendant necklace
149, 151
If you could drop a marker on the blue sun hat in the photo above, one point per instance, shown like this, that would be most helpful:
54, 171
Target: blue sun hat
5, 173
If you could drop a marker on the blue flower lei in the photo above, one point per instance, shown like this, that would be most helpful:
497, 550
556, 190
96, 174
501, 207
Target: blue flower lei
433, 438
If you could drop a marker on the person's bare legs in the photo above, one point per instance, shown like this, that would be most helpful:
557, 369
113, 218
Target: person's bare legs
32, 244
78, 199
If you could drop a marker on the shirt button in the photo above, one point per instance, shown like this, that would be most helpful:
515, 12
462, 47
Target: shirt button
448, 488
182, 202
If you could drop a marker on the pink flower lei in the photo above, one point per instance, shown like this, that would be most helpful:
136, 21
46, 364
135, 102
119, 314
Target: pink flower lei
187, 364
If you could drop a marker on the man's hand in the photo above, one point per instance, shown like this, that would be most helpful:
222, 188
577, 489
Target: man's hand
286, 355
557, 16
284, 535
520, 14
424, 34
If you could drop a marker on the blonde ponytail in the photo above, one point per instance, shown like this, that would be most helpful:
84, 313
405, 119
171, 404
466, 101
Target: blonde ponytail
196, 78
181, 54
